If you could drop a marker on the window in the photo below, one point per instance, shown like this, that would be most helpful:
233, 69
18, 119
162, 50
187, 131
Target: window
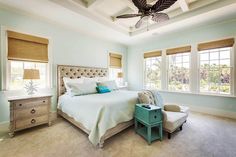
215, 71
115, 66
113, 73
16, 69
179, 72
26, 52
152, 72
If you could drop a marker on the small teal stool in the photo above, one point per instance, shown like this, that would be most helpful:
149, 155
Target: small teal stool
148, 122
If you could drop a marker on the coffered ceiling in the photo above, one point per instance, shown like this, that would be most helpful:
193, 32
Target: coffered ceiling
105, 11
98, 17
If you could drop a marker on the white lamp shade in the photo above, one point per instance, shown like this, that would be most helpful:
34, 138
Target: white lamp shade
120, 75
31, 74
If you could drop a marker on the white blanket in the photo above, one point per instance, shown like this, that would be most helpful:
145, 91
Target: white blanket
100, 112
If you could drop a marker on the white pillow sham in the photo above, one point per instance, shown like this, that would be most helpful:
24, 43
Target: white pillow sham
102, 79
110, 84
77, 89
67, 80
95, 79
89, 80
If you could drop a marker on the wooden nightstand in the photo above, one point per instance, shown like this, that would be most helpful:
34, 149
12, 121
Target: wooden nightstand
148, 122
27, 112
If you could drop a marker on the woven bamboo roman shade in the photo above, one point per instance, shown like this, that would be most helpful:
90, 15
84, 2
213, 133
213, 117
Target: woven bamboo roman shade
115, 60
152, 54
216, 44
184, 49
24, 47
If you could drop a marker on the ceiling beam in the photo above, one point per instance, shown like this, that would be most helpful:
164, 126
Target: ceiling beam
183, 5
92, 3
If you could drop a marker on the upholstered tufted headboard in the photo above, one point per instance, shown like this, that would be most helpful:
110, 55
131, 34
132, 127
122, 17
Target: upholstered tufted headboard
76, 72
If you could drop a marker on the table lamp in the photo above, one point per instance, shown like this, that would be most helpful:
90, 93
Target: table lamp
120, 76
31, 74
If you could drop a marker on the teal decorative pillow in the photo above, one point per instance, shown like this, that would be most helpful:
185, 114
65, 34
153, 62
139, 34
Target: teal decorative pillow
103, 89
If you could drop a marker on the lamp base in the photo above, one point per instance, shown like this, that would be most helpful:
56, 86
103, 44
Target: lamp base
31, 88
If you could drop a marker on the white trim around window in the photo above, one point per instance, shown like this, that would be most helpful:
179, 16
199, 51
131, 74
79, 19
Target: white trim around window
5, 66
194, 73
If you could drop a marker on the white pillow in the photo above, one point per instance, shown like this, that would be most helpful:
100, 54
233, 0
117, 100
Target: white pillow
110, 84
89, 80
67, 80
102, 79
77, 89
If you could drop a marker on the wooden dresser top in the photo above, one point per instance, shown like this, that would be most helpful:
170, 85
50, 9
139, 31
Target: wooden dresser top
15, 98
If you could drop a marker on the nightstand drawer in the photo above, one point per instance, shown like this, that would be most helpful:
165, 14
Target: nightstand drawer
30, 103
22, 124
31, 112
155, 116
152, 115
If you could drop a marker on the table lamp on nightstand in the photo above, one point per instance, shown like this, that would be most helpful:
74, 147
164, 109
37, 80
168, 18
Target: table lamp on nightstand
120, 76
31, 74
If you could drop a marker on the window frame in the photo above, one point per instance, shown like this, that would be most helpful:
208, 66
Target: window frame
47, 85
194, 73
144, 73
190, 74
108, 63
232, 73
5, 66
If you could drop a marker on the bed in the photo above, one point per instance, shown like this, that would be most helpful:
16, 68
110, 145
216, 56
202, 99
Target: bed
99, 115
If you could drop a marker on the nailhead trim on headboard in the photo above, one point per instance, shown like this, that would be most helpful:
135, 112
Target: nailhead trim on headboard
76, 72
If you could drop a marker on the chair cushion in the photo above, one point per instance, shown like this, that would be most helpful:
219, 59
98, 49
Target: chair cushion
172, 108
173, 120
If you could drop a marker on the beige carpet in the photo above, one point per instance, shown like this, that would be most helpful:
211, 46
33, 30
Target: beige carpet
202, 136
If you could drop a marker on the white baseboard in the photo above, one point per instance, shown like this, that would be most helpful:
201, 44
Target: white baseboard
5, 124
212, 111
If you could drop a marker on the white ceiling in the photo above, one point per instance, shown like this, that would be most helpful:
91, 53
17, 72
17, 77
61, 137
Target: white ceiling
97, 17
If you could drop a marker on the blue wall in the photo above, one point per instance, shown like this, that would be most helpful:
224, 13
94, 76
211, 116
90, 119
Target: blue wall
223, 106
66, 47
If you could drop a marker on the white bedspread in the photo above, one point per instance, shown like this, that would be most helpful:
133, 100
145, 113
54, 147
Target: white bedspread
100, 112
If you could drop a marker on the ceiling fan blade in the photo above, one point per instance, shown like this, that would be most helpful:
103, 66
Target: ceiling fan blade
139, 23
161, 5
141, 4
142, 19
129, 15
160, 17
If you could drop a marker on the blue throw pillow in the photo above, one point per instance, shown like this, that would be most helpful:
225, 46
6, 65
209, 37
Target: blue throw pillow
103, 89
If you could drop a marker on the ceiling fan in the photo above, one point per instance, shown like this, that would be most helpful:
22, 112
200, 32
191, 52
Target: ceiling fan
147, 11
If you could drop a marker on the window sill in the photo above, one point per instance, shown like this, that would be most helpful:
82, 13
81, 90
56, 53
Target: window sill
11, 93
200, 94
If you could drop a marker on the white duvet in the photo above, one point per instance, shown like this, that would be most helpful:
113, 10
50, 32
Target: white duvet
100, 112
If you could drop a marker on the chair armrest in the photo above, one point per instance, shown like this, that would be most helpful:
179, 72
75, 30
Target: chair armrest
172, 108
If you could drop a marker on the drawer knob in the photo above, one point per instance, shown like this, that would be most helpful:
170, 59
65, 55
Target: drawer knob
33, 111
20, 104
33, 121
44, 101
155, 117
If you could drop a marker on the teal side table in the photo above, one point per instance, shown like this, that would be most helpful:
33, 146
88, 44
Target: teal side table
148, 122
